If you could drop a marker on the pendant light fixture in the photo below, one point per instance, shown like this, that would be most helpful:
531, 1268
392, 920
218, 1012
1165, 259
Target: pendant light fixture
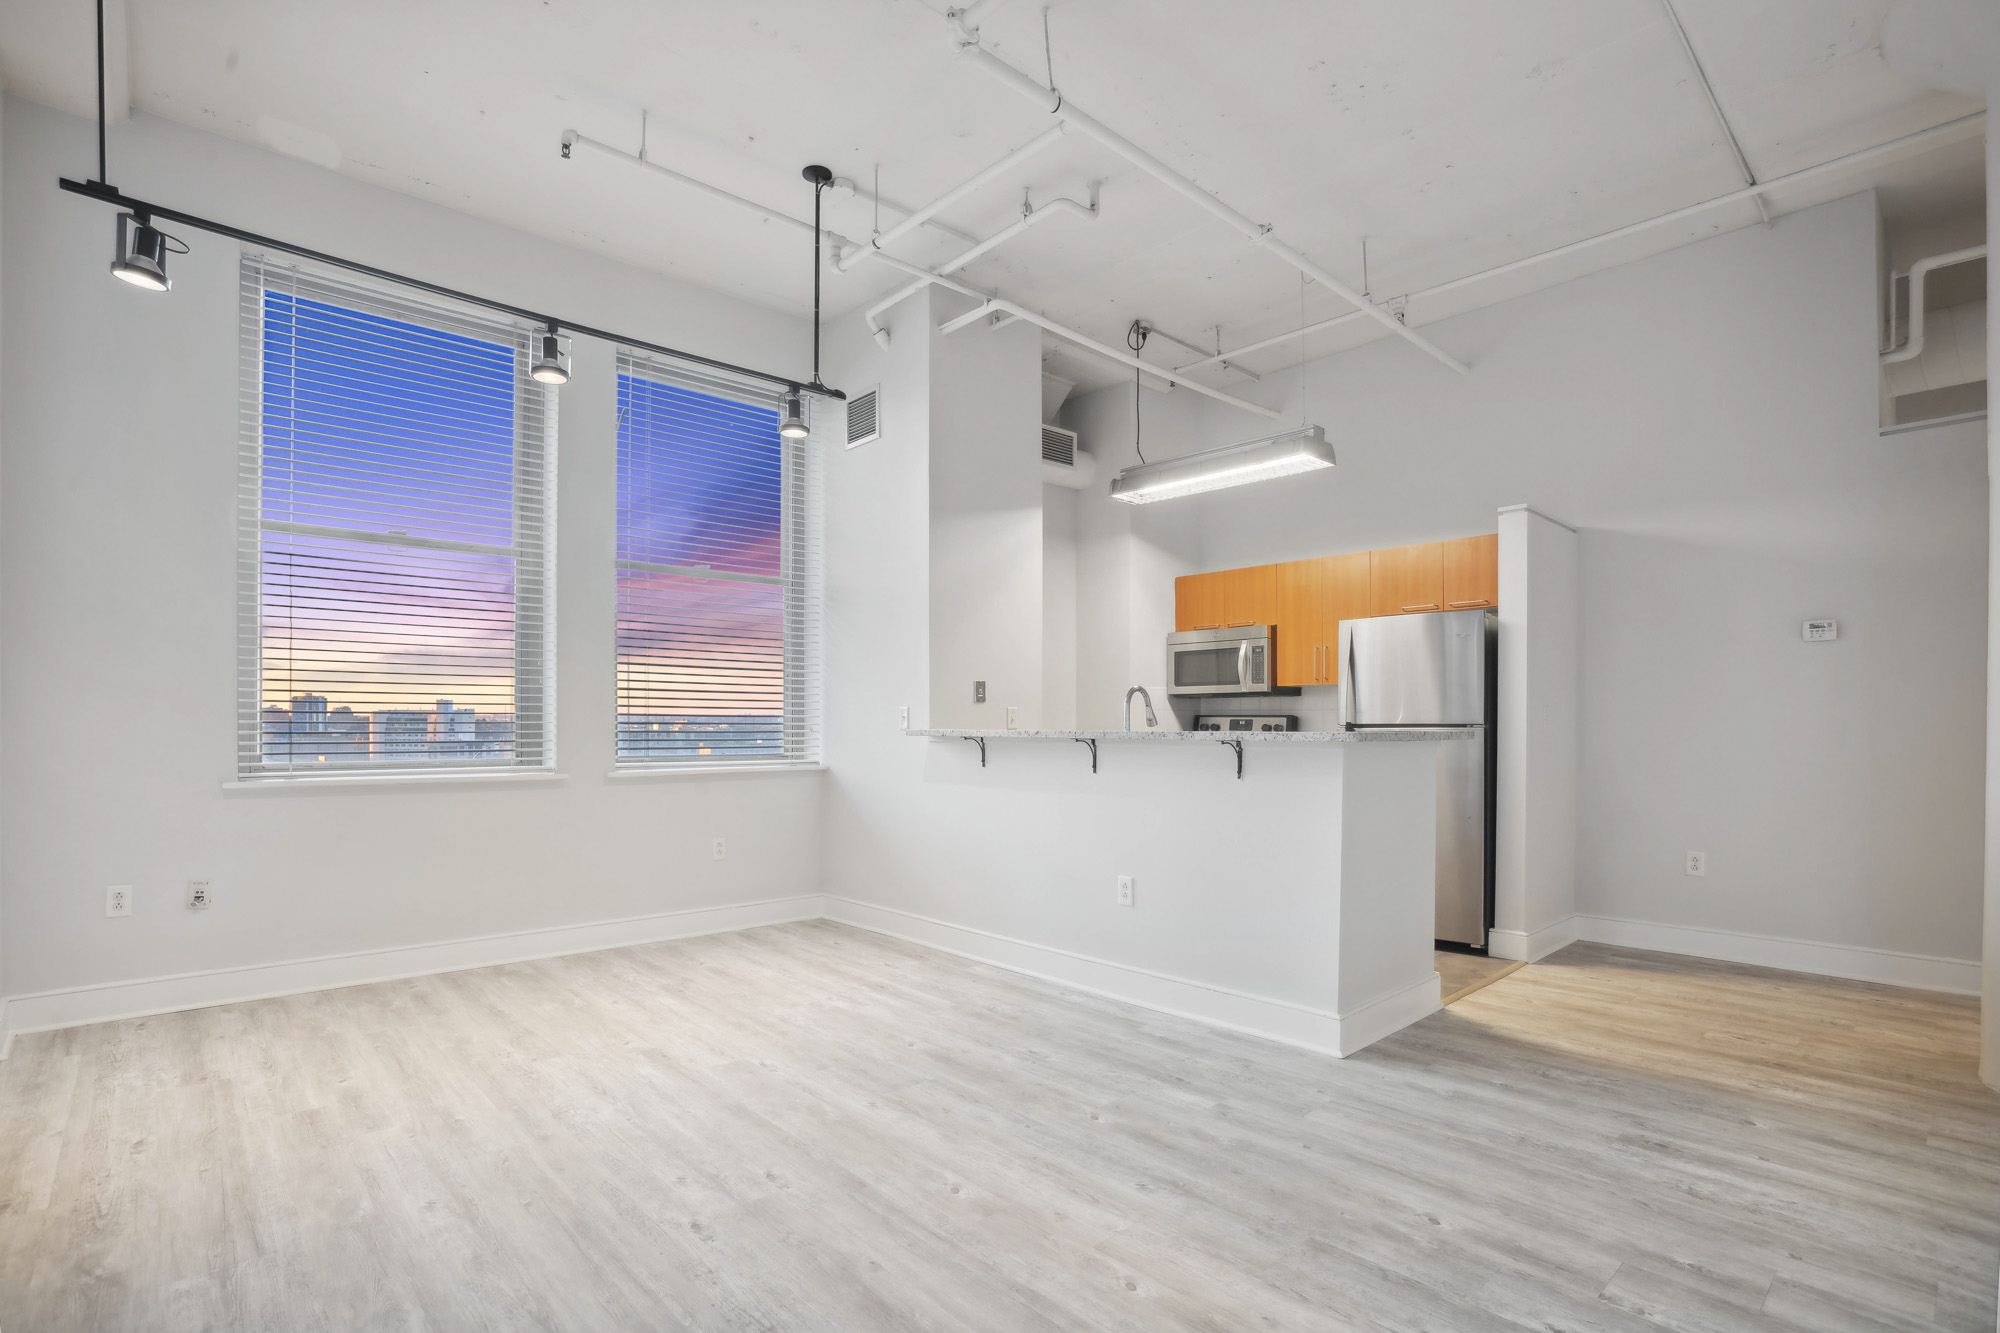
1301, 450
794, 427
141, 255
552, 357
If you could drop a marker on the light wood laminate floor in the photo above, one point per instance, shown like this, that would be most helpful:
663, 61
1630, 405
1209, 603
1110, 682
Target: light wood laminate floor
810, 1127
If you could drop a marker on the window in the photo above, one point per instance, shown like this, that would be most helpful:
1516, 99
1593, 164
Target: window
717, 574
395, 513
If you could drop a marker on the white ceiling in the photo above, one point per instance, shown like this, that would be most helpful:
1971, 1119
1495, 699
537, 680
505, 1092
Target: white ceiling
1452, 134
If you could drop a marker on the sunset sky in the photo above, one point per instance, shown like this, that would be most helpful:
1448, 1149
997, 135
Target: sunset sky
377, 426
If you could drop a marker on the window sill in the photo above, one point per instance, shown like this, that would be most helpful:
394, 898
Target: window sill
648, 774
322, 781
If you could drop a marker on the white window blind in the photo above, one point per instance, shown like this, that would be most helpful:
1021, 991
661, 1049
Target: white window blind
718, 573
395, 516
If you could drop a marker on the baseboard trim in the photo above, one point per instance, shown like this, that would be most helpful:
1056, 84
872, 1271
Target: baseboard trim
1204, 1002
1958, 976
1528, 946
116, 1000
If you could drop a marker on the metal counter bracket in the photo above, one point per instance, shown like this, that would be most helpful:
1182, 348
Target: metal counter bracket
1086, 740
980, 741
1237, 745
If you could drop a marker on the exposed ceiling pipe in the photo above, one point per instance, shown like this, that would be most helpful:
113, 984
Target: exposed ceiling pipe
991, 304
573, 138
1027, 219
1715, 105
1935, 136
953, 195
1255, 232
1913, 346
1196, 347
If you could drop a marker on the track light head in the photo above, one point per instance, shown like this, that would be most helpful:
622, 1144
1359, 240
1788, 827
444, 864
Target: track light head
793, 427
142, 253
551, 358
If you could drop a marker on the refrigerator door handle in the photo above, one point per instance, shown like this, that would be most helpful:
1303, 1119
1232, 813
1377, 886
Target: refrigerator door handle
1347, 695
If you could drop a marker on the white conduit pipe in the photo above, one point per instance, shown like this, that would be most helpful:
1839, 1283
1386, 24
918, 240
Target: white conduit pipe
570, 138
1027, 220
1913, 346
1935, 136
997, 305
953, 195
1257, 233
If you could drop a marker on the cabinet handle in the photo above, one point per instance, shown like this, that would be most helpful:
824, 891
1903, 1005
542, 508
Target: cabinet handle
1205, 627
1477, 601
1427, 606
1238, 624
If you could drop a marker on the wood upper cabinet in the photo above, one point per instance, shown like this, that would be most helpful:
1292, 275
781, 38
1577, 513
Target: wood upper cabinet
1228, 597
1313, 597
1299, 590
1406, 578
1471, 572
1307, 599
1346, 584
1198, 601
1249, 596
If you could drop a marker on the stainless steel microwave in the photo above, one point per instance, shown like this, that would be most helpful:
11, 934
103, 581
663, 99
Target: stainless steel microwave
1236, 660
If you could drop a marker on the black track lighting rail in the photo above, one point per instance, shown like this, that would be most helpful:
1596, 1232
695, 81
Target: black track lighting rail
149, 212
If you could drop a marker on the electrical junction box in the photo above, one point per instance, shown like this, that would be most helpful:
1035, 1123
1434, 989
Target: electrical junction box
1820, 631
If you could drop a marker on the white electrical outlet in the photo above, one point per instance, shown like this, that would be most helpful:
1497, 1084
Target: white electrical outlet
1820, 631
720, 849
1124, 890
118, 900
200, 894
1013, 716
1697, 864
903, 717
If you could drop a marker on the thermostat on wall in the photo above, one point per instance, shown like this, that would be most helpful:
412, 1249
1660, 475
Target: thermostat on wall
1819, 631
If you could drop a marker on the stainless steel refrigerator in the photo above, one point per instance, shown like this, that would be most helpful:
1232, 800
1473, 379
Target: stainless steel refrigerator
1437, 670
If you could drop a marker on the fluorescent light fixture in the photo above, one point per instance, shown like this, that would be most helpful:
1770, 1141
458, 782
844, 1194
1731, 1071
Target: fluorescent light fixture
1302, 450
794, 425
552, 358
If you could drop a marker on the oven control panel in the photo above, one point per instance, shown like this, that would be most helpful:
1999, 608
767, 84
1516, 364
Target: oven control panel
1260, 723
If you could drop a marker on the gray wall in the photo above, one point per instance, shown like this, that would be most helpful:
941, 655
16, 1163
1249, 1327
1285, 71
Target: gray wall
117, 603
1707, 418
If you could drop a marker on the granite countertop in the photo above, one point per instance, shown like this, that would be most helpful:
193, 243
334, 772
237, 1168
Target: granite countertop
1163, 736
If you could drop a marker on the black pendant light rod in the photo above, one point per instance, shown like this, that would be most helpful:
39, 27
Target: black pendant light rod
106, 194
102, 174
820, 178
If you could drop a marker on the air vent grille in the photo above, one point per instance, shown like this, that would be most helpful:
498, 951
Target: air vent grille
862, 420
1059, 446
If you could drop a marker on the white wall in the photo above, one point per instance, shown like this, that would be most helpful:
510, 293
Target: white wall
1707, 419
1127, 557
986, 521
1059, 622
117, 578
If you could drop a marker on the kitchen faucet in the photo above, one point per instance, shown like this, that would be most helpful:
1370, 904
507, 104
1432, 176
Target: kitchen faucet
1139, 690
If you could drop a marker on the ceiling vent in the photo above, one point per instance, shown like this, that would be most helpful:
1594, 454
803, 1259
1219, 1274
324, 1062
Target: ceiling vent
864, 421
1063, 464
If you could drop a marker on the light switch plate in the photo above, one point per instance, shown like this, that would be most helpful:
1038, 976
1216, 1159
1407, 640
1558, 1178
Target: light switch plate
903, 717
1821, 631
979, 691
1013, 716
